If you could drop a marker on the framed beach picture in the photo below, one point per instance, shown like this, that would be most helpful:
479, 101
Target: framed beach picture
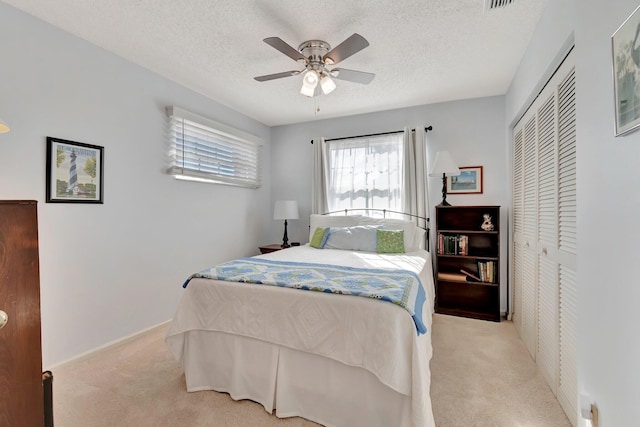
625, 46
74, 172
468, 182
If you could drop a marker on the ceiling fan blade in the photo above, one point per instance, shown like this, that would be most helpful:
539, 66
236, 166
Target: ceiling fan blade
277, 75
354, 44
352, 75
279, 44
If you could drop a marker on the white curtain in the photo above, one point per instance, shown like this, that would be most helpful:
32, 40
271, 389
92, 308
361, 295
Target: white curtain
409, 194
416, 190
319, 178
365, 173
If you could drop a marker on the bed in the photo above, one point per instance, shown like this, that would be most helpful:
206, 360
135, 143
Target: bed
338, 360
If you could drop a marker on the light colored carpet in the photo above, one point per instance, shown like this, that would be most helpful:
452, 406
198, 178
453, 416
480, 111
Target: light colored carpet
482, 376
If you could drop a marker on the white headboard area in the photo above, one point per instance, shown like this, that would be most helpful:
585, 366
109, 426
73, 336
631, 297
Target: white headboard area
415, 236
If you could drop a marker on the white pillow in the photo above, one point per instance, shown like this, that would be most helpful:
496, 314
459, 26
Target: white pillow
418, 239
357, 238
413, 235
324, 221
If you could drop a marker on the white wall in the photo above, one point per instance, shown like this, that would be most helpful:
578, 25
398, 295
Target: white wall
609, 230
472, 130
111, 270
608, 202
551, 40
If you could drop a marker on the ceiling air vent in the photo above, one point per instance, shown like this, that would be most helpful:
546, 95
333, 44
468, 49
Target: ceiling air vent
495, 4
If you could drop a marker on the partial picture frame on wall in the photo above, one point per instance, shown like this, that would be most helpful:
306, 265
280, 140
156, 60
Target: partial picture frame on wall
468, 182
75, 172
625, 48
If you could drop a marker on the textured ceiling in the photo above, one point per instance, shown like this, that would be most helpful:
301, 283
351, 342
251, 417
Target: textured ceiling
422, 51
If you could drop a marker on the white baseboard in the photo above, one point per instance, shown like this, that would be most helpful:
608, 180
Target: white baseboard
108, 346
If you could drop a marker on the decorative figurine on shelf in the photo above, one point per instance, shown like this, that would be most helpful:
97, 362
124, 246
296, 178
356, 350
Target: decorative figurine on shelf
487, 225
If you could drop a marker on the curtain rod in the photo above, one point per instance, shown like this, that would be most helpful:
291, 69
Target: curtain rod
426, 129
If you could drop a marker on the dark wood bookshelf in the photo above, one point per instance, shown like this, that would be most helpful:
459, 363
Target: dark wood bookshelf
473, 249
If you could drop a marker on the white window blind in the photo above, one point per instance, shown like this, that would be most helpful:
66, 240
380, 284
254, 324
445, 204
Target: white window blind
205, 150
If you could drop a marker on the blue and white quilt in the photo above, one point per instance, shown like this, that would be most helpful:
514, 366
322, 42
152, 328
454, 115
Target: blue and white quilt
401, 287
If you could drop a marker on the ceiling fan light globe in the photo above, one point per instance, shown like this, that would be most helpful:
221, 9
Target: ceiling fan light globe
327, 84
311, 78
307, 90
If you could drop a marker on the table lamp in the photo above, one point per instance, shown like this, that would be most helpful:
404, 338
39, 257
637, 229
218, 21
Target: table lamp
285, 209
444, 165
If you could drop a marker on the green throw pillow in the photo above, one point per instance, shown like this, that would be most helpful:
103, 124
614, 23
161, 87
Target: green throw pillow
390, 241
319, 238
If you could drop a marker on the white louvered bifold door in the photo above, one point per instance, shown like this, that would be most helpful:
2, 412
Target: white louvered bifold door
567, 257
518, 227
529, 281
544, 229
547, 269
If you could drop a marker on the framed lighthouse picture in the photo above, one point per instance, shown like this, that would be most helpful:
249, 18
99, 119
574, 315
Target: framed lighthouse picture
74, 172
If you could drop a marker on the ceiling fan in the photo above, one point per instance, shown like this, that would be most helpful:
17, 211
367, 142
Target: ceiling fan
317, 56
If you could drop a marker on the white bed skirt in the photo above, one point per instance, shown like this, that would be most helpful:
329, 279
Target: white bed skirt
295, 382
339, 360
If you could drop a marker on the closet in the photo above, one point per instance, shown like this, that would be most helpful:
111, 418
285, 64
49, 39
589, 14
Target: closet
543, 249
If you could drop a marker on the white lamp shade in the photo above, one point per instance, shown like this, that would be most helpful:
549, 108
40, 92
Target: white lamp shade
444, 164
307, 90
309, 83
3, 127
285, 209
311, 78
327, 84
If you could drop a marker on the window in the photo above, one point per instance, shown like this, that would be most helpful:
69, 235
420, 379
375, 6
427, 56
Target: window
365, 172
205, 150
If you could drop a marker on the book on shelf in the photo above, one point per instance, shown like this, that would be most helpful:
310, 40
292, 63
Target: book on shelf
492, 271
487, 271
450, 244
464, 244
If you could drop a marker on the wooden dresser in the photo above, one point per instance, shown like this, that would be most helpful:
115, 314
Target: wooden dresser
21, 392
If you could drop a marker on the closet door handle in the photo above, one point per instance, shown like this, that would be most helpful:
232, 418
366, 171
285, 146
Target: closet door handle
3, 319
544, 251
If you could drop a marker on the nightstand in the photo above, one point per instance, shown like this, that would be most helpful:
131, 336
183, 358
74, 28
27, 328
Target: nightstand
270, 248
